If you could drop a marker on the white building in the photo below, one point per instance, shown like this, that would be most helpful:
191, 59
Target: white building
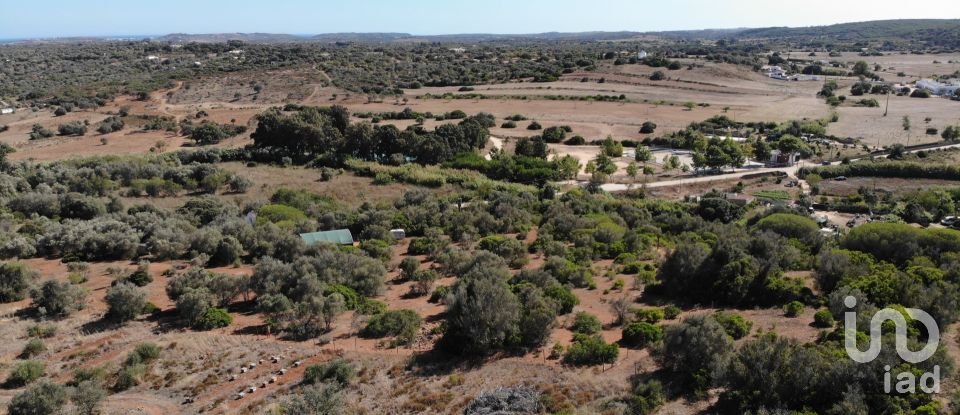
775, 72
4, 111
779, 158
939, 88
642, 54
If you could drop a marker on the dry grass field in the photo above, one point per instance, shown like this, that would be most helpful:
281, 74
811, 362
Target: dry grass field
730, 90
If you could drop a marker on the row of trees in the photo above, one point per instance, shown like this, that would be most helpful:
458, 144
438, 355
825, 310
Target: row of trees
326, 133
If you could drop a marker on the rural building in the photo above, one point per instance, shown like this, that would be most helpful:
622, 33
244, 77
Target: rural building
642, 54
779, 158
398, 234
775, 72
6, 110
338, 237
939, 88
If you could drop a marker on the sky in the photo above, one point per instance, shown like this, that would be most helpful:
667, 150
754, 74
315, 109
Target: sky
65, 18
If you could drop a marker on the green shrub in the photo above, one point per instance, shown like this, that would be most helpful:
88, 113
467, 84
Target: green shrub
383, 179
351, 298
439, 294
563, 295
279, 213
671, 312
337, 370
404, 324
586, 323
793, 309
823, 318
590, 350
213, 318
150, 308
733, 324
73, 128
641, 334
25, 372
371, 307
40, 399
42, 331
94, 374
15, 280
140, 278
647, 398
420, 246
649, 315
77, 278
143, 353
789, 226
32, 348
129, 377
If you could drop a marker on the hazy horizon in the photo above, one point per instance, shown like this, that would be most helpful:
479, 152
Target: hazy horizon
112, 18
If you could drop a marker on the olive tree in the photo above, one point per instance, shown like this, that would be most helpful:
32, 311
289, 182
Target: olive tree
125, 301
15, 280
88, 396
56, 298
482, 311
694, 349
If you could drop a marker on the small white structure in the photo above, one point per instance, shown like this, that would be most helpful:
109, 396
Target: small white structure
939, 88
5, 111
775, 72
153, 58
642, 54
458, 50
398, 234
778, 158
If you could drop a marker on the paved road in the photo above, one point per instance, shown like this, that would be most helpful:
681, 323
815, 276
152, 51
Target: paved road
790, 171
619, 187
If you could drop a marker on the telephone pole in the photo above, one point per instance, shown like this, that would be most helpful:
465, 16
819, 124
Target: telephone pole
887, 107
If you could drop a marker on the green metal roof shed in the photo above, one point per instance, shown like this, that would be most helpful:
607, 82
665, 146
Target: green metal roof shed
339, 236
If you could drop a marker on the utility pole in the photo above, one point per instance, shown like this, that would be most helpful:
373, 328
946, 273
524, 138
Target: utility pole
887, 107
